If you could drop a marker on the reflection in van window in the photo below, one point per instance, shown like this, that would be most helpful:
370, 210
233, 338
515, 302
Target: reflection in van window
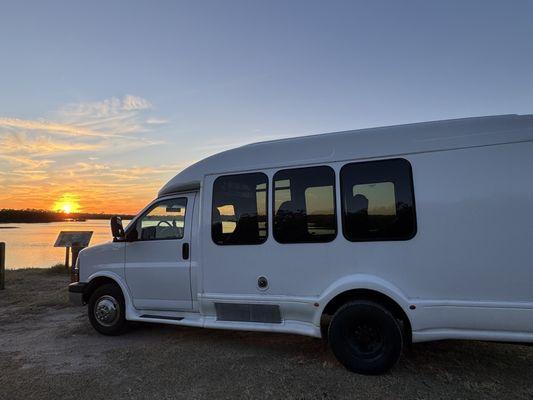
380, 195
304, 205
239, 210
227, 217
377, 201
164, 220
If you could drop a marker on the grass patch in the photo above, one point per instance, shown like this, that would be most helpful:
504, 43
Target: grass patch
58, 269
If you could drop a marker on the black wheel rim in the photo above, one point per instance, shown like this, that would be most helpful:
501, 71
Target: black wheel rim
365, 339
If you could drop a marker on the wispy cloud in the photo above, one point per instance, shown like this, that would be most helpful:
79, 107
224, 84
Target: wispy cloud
42, 159
156, 121
105, 119
88, 126
25, 161
52, 128
22, 142
108, 107
130, 102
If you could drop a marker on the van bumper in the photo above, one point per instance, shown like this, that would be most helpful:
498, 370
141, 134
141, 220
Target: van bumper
75, 293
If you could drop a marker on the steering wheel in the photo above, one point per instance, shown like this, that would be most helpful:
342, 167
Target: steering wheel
164, 222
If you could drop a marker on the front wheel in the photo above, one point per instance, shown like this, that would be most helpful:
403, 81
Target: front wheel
365, 337
107, 311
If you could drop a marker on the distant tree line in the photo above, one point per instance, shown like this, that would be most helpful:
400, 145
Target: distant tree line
33, 216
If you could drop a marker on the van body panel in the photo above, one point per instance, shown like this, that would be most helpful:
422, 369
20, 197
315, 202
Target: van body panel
107, 258
157, 274
453, 189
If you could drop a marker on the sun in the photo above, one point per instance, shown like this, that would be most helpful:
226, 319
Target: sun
68, 203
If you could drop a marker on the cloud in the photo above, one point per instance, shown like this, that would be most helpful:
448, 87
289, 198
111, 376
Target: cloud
108, 107
81, 127
31, 176
41, 159
156, 121
83, 166
118, 173
117, 117
21, 142
130, 102
53, 128
25, 161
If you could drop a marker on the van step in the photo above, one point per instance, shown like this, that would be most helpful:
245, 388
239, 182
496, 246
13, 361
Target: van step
161, 317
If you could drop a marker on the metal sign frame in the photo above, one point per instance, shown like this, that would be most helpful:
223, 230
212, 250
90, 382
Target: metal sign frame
73, 239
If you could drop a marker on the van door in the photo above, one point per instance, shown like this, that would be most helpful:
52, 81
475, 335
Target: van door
292, 257
158, 266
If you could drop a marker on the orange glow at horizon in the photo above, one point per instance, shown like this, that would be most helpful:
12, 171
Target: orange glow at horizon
89, 199
68, 203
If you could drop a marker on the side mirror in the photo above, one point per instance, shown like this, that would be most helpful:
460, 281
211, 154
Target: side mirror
116, 228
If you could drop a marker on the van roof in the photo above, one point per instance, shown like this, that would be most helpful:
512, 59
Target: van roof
358, 145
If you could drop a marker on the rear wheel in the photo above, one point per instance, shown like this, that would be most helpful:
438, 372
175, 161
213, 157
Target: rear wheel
107, 311
365, 337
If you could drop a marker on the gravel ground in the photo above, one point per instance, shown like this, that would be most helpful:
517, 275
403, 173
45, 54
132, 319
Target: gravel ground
49, 350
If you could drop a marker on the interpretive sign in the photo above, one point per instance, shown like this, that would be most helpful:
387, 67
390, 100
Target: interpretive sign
73, 239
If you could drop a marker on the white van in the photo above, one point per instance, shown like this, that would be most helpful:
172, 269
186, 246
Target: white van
374, 238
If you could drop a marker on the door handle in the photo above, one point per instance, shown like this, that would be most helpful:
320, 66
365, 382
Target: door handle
185, 251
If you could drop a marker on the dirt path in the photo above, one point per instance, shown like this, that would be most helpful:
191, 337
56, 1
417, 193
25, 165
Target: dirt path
49, 350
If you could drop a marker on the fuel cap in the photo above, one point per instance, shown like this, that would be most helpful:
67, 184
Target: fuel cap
262, 283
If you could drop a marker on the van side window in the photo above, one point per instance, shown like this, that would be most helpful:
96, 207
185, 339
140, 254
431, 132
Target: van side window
239, 210
164, 220
304, 205
378, 201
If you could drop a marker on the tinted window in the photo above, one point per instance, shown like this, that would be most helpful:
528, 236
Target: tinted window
304, 205
164, 220
239, 212
378, 201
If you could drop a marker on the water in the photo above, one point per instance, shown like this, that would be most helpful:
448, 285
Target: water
32, 245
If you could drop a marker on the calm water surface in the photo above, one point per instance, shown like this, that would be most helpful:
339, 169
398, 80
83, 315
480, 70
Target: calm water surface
32, 245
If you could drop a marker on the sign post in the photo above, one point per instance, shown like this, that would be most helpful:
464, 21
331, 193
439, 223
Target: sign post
2, 265
75, 241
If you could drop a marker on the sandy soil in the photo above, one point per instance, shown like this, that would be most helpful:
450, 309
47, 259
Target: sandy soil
48, 350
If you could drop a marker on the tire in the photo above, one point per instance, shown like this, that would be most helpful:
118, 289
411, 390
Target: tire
324, 326
107, 311
365, 337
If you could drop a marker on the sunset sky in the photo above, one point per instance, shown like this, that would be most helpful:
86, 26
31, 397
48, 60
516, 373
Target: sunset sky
102, 102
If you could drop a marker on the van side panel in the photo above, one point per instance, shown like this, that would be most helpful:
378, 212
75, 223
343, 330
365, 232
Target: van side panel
469, 267
475, 218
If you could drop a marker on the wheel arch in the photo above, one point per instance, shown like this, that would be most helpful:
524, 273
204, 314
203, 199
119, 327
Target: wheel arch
366, 288
96, 281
